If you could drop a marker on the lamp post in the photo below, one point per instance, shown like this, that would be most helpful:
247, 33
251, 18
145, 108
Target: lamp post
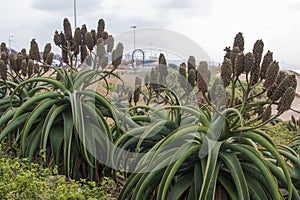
9, 42
75, 14
151, 49
133, 27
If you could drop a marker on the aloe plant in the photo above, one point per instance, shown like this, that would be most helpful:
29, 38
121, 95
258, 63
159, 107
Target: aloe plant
189, 161
59, 122
219, 150
20, 67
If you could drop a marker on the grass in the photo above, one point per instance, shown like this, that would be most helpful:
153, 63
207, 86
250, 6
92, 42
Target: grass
280, 133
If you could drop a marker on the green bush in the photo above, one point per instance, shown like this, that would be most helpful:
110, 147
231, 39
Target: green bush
21, 180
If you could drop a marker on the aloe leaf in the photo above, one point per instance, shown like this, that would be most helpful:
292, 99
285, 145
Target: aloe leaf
235, 169
33, 142
180, 187
228, 185
51, 81
68, 137
56, 140
213, 154
34, 100
282, 180
181, 155
39, 109
198, 179
48, 123
13, 125
261, 140
255, 188
294, 159
129, 185
150, 130
256, 158
37, 89
4, 119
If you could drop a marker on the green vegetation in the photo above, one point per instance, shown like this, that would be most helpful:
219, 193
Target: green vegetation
280, 133
61, 138
21, 180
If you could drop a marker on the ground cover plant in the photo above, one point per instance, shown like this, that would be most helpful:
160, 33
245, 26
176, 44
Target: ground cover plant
19, 179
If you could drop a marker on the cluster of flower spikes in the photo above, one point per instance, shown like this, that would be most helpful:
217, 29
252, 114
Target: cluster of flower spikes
261, 70
158, 75
137, 90
135, 96
199, 76
23, 64
83, 42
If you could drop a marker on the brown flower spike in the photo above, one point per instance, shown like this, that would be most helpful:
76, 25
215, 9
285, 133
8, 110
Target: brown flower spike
239, 64
226, 72
271, 75
239, 41
267, 60
182, 75
89, 40
34, 52
67, 29
3, 70
30, 68
203, 76
24, 68
286, 100
47, 50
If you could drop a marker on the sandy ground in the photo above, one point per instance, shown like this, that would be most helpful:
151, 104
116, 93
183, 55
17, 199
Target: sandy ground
129, 79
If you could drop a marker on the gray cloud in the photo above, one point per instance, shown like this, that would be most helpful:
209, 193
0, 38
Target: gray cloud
120, 15
190, 7
179, 4
66, 6
119, 24
294, 7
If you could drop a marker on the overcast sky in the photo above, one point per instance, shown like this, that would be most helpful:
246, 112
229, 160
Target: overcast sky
210, 23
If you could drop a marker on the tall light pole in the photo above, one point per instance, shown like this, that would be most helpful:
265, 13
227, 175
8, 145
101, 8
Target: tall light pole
9, 42
75, 15
150, 49
133, 27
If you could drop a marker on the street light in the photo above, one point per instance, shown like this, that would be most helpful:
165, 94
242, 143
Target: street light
75, 14
9, 42
151, 49
133, 27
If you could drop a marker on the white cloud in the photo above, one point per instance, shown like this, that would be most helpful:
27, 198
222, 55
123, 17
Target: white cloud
211, 23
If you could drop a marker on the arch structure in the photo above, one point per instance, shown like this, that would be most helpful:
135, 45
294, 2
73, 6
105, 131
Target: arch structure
132, 56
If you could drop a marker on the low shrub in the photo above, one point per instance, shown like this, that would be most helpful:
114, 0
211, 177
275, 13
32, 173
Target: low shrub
281, 134
21, 180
